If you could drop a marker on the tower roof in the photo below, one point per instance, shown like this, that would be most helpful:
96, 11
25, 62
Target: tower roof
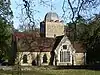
51, 16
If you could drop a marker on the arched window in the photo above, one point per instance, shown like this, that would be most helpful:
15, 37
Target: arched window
44, 58
34, 62
25, 58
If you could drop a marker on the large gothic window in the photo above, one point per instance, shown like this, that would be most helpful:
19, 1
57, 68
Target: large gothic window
25, 58
64, 56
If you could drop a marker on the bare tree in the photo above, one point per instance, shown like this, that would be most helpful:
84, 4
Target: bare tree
77, 8
47, 3
27, 15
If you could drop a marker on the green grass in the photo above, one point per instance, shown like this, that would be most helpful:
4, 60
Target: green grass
52, 72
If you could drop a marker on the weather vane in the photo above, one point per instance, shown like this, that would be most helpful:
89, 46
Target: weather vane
51, 5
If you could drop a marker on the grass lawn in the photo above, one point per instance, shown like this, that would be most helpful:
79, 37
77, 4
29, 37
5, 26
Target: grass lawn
53, 72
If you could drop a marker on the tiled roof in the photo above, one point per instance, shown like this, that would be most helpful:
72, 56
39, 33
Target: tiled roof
57, 41
29, 42
24, 34
33, 42
79, 47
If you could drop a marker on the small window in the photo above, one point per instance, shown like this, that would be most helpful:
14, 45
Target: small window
54, 35
34, 62
25, 58
64, 46
44, 58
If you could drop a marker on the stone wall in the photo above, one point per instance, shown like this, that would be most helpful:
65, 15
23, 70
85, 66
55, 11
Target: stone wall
54, 28
32, 56
79, 58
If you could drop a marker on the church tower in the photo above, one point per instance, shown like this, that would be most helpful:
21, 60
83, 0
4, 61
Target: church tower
51, 26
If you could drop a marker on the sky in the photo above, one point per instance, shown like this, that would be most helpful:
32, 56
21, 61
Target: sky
42, 10
57, 4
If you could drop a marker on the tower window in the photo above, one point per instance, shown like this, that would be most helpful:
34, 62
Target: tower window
54, 35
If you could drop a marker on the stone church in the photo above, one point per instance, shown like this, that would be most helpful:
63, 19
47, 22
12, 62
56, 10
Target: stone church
49, 47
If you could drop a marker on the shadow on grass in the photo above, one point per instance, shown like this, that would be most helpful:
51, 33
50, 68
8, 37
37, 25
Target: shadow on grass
87, 67
24, 73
